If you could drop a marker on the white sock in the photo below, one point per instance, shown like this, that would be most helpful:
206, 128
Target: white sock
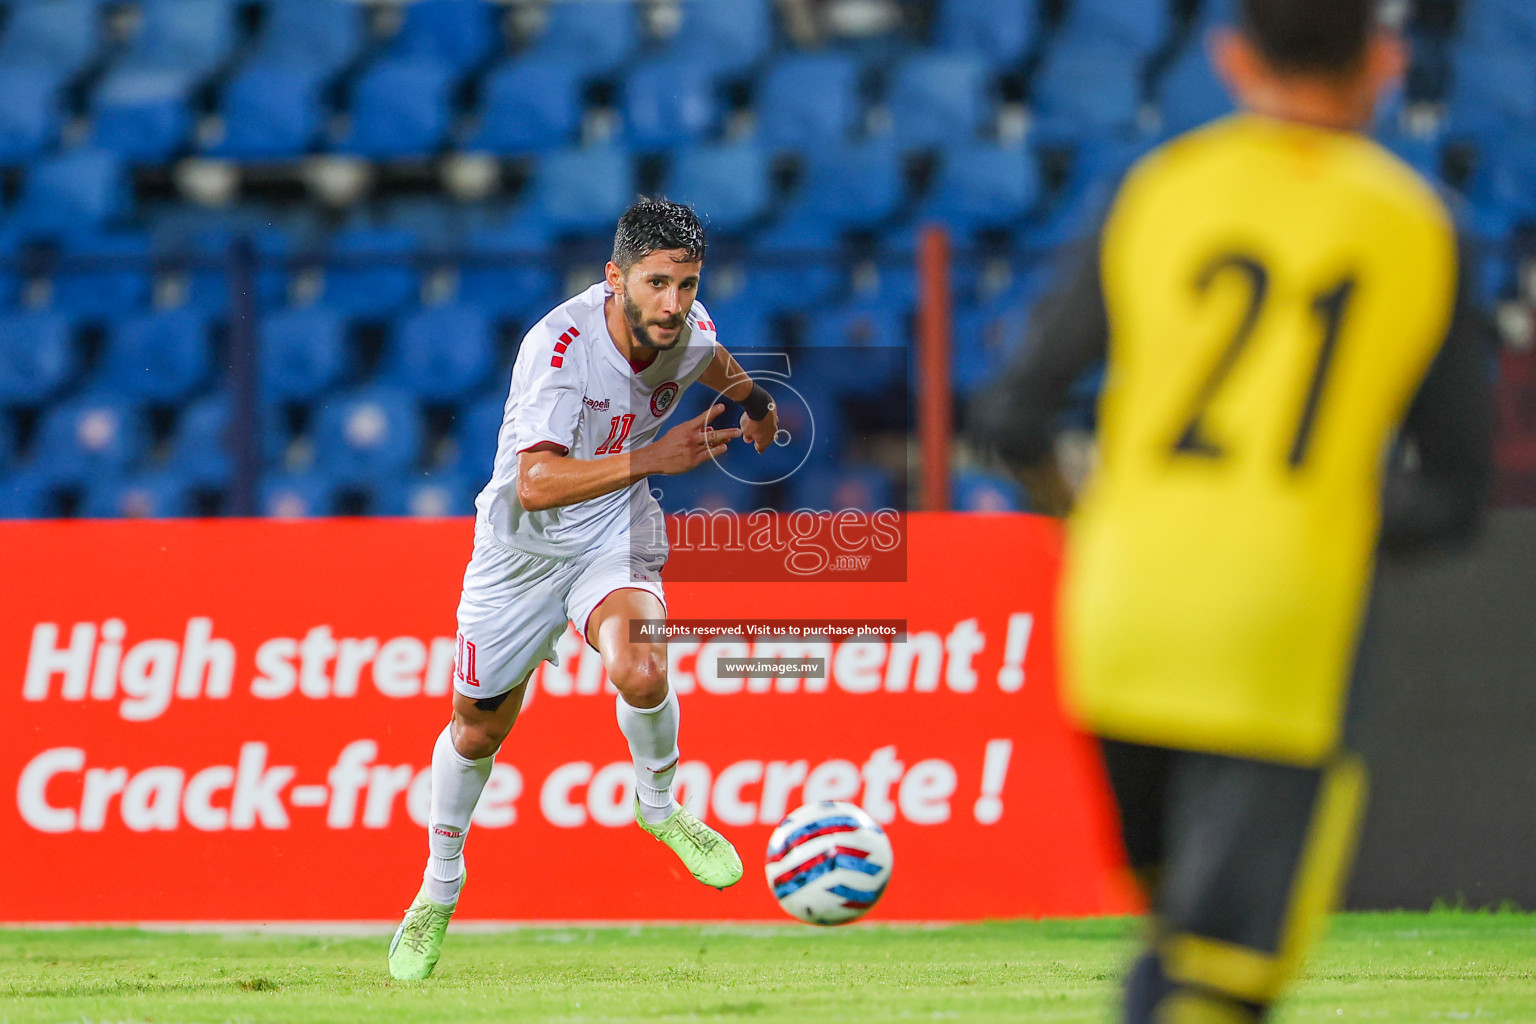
456, 785
652, 736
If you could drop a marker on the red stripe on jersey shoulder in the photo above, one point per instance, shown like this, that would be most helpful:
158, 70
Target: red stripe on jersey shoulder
575, 333
560, 346
557, 361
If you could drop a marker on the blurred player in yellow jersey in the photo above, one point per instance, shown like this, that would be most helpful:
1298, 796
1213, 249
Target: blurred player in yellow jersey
1278, 299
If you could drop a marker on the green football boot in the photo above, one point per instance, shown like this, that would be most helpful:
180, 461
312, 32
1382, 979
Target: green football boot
418, 942
707, 854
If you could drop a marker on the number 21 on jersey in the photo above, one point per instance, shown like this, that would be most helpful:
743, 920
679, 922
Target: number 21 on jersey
1328, 306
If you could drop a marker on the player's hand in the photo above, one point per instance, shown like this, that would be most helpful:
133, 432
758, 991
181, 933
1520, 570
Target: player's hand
688, 444
760, 433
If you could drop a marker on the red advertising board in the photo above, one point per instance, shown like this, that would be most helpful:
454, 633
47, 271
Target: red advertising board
231, 720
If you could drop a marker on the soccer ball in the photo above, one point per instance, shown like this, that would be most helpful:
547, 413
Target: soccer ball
828, 862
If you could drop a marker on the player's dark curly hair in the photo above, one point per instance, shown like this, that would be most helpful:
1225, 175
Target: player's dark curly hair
656, 224
1310, 36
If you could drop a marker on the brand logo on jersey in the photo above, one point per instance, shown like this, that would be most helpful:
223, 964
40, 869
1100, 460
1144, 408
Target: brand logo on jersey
595, 404
663, 397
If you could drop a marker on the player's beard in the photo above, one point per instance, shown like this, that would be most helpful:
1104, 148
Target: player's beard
642, 330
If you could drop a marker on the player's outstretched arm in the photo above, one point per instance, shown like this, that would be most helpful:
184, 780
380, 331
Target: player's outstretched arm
547, 478
726, 376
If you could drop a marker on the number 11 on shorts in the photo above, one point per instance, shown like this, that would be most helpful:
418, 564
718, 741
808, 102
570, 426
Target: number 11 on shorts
464, 661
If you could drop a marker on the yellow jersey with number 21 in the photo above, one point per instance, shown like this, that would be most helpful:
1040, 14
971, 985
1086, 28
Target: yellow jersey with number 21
1275, 293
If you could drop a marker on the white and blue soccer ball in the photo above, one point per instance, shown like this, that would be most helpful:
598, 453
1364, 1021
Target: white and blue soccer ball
828, 862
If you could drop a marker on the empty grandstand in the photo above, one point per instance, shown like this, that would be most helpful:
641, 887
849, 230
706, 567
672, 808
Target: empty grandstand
275, 256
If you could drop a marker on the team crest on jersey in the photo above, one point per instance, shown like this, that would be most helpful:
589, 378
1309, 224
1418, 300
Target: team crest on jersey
663, 397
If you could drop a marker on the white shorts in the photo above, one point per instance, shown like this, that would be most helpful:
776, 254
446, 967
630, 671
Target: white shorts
515, 606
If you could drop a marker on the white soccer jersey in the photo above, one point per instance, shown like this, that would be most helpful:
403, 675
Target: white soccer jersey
572, 386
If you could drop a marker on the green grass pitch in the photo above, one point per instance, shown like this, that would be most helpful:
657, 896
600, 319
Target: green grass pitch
1442, 966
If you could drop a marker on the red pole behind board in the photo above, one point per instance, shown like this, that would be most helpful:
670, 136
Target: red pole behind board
935, 402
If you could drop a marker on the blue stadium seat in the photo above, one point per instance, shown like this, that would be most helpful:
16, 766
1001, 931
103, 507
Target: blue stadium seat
453, 33
985, 337
60, 36
1498, 23
81, 189
437, 226
1211, 13
857, 350
865, 488
511, 276
1502, 189
1493, 91
854, 346
1097, 168
102, 276
36, 356
858, 186
476, 429
442, 353
91, 435
200, 444
1190, 92
367, 434
793, 263
669, 103
319, 36
984, 185
165, 494
728, 35
809, 100
399, 109
1085, 91
270, 111
30, 111
937, 99
971, 491
303, 352
584, 190
597, 36
192, 37
1423, 155
1003, 31
13, 266
529, 105
728, 185
890, 277
8, 453
161, 356
141, 113
741, 322
425, 496
209, 283
1135, 27
297, 495
373, 272
28, 494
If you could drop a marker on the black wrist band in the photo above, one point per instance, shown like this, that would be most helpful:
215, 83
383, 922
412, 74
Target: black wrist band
757, 403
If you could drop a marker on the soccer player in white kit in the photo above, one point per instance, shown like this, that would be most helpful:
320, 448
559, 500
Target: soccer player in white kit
567, 530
